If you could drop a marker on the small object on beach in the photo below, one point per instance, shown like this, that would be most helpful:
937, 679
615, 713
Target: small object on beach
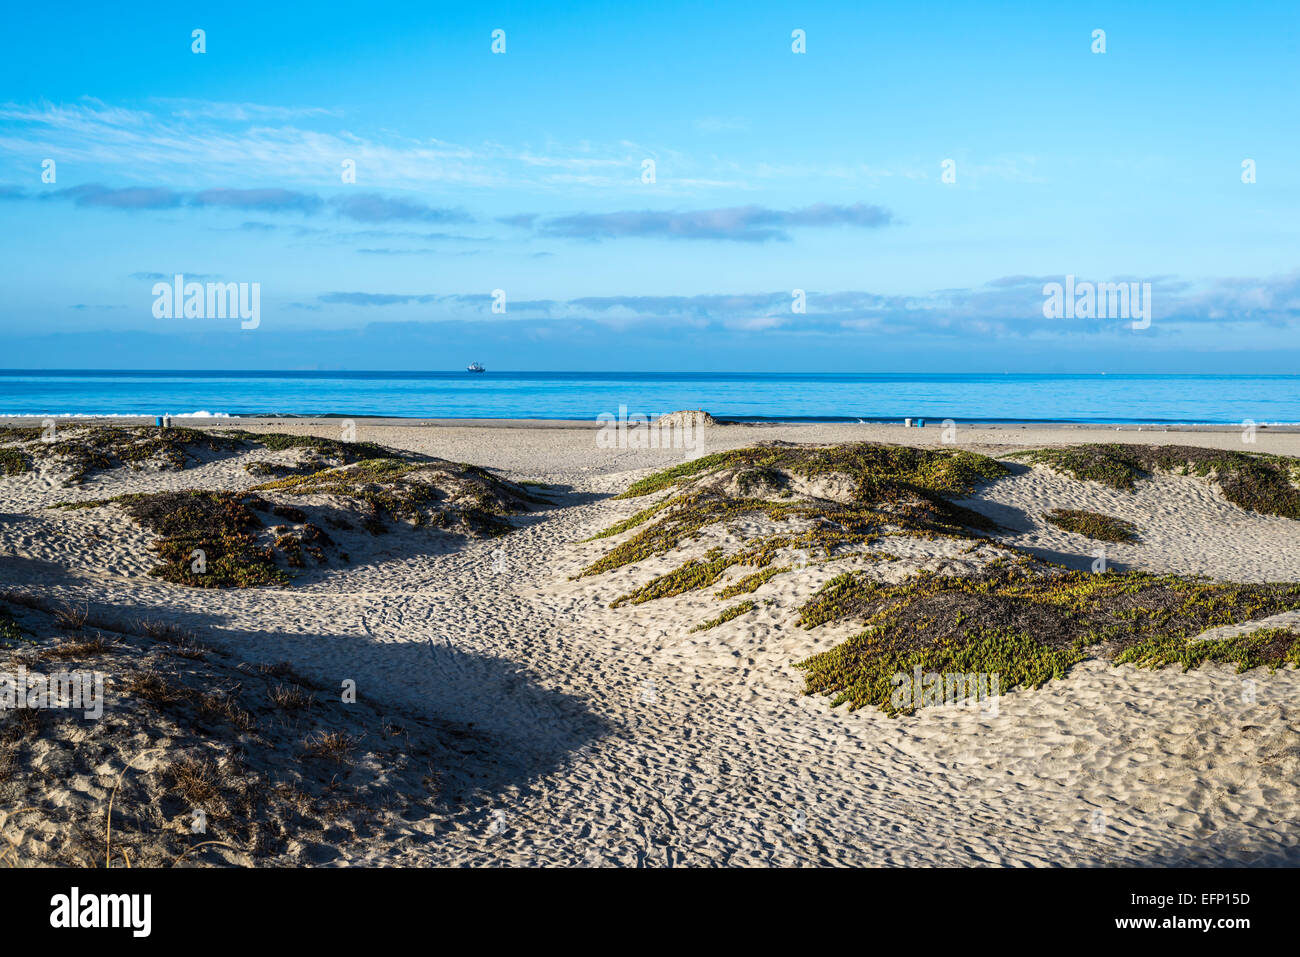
920, 423
688, 418
907, 423
158, 421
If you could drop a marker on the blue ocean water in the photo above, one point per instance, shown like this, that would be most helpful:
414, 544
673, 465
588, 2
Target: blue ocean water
585, 395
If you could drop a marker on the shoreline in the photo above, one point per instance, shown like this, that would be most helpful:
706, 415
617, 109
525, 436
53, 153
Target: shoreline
932, 424
529, 448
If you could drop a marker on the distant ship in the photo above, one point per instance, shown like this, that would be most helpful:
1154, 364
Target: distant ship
475, 367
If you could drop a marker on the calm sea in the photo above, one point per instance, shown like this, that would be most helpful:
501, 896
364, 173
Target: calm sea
585, 395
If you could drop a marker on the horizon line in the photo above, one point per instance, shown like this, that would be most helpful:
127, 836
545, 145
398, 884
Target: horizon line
631, 372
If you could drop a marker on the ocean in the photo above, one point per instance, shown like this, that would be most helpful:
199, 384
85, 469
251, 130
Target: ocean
1168, 399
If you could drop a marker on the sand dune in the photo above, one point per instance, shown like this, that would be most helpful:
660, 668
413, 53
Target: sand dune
626, 738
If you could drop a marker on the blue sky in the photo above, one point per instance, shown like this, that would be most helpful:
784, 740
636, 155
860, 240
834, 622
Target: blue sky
774, 171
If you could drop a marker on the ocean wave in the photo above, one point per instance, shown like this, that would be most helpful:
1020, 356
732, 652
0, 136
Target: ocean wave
201, 414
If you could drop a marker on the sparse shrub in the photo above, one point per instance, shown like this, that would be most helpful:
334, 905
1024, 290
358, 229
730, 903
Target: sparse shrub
1094, 525
335, 746
197, 782
71, 617
150, 686
84, 648
291, 697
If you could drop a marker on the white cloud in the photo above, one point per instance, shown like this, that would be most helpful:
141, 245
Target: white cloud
757, 324
233, 144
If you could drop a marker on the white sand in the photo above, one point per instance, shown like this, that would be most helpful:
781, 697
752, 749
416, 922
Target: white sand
624, 738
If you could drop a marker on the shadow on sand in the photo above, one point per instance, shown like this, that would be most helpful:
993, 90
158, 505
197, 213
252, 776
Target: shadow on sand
505, 729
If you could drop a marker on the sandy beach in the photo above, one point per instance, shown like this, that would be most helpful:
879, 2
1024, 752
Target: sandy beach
623, 734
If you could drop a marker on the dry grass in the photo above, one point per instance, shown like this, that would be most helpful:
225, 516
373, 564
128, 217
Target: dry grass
291, 697
8, 755
278, 669
197, 782
225, 705
85, 648
335, 746
152, 687
71, 617
183, 641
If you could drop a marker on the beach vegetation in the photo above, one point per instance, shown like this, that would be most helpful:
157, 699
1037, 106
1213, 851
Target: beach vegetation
1020, 618
10, 632
344, 452
13, 461
207, 539
226, 539
751, 583
292, 697
1027, 622
84, 450
77, 648
1255, 481
891, 490
81, 451
336, 746
1094, 525
1272, 648
735, 611
432, 493
19, 433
